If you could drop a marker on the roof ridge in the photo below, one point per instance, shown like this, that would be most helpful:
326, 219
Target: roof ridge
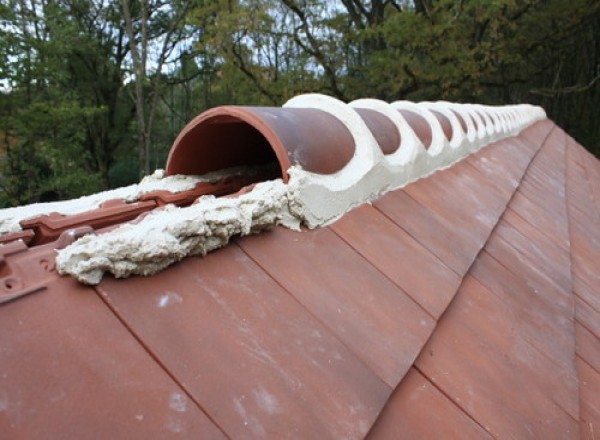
309, 197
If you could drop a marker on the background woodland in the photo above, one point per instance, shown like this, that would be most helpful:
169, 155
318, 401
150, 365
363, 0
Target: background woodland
93, 92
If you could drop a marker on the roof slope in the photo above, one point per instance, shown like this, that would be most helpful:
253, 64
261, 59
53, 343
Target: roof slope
466, 303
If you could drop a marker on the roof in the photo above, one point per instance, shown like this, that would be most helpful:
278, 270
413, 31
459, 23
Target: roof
466, 304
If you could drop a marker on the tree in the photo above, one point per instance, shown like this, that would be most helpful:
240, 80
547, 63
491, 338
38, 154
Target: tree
63, 63
151, 25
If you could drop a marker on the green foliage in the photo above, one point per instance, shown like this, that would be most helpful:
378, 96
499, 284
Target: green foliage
71, 89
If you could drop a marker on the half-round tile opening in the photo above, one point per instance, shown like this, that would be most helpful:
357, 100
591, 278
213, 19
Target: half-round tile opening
232, 136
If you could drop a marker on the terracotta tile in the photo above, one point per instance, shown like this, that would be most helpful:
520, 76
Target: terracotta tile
536, 133
549, 198
587, 272
70, 369
434, 232
545, 319
548, 205
591, 168
580, 188
258, 362
418, 410
537, 251
583, 219
503, 163
559, 245
498, 378
531, 211
585, 257
587, 316
470, 207
395, 253
585, 292
524, 345
579, 211
590, 400
534, 273
588, 346
375, 318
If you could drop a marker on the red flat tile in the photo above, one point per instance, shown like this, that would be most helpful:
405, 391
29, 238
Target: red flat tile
463, 200
579, 216
537, 251
70, 369
541, 234
592, 175
548, 198
535, 274
256, 360
418, 410
585, 257
400, 257
503, 163
584, 227
587, 316
590, 400
536, 133
524, 345
531, 211
375, 318
588, 346
545, 320
585, 292
498, 378
434, 232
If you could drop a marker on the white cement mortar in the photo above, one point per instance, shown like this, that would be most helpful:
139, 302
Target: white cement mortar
167, 236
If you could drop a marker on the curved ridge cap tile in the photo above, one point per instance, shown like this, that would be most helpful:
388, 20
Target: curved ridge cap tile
317, 200
410, 146
465, 115
438, 138
503, 116
494, 116
482, 134
366, 153
487, 120
445, 108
